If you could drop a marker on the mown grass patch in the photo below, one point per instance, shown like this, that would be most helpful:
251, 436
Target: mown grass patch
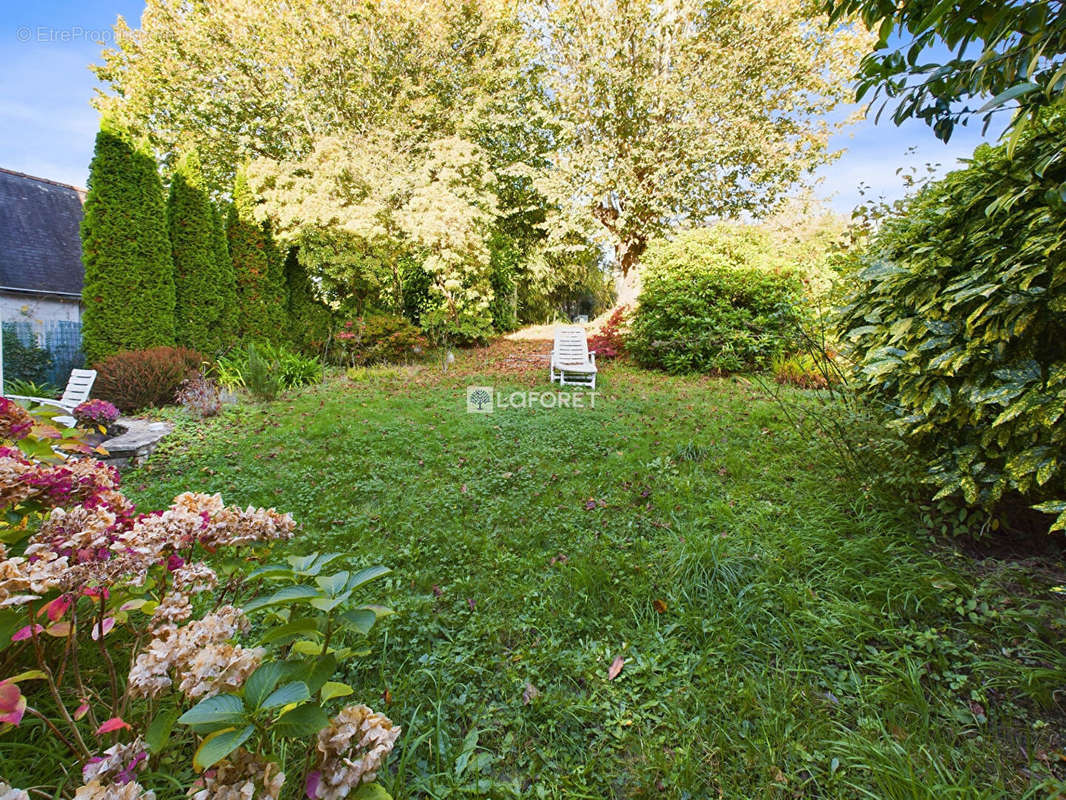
786, 630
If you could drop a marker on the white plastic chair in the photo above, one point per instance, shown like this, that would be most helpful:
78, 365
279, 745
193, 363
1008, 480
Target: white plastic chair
77, 392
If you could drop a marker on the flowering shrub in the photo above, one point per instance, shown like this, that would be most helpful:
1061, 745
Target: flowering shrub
136, 379
131, 650
610, 341
96, 413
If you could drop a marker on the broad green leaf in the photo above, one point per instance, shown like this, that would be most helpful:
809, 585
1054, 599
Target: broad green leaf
370, 791
219, 745
366, 575
300, 722
261, 683
286, 595
329, 603
306, 647
295, 692
331, 689
333, 584
360, 619
225, 709
294, 629
158, 733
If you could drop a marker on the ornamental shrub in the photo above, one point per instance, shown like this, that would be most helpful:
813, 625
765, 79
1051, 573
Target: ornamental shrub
379, 339
128, 296
95, 413
957, 324
159, 656
609, 342
23, 362
704, 308
203, 281
134, 379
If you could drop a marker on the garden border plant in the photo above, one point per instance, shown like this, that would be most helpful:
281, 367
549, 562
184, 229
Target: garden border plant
91, 591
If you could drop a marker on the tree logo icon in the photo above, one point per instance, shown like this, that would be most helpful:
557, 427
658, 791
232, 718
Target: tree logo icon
479, 399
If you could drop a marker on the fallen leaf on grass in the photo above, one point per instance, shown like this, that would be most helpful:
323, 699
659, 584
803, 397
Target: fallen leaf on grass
659, 606
615, 668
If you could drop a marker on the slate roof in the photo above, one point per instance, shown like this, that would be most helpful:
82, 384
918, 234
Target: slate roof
40, 243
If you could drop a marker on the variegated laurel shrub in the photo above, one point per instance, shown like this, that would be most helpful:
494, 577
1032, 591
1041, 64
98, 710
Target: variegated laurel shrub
958, 325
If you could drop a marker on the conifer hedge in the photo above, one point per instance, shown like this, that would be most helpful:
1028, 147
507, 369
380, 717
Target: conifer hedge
262, 308
128, 293
200, 277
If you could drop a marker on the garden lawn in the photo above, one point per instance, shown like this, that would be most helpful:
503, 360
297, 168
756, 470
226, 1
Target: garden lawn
783, 629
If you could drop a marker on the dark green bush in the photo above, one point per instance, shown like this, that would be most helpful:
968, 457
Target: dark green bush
203, 274
262, 305
24, 362
705, 309
958, 324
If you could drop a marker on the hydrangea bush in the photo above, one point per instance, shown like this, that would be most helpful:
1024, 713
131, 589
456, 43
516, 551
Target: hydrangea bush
96, 413
136, 655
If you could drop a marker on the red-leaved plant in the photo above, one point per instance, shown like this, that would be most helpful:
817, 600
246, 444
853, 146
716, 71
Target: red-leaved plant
610, 341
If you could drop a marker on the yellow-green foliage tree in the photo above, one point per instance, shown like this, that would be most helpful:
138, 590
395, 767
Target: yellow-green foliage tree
689, 110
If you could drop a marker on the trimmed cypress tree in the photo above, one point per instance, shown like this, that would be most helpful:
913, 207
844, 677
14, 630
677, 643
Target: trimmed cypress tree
128, 294
197, 278
227, 290
262, 310
277, 289
308, 318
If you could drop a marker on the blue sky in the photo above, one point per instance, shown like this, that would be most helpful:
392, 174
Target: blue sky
47, 125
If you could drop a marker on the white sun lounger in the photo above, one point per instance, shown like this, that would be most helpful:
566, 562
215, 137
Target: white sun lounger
571, 362
77, 392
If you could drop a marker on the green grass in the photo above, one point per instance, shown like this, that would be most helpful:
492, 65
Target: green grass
787, 630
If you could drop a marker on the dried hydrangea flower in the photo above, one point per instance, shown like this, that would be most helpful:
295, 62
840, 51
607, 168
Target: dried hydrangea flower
218, 668
8, 793
173, 648
119, 763
95, 790
242, 776
352, 749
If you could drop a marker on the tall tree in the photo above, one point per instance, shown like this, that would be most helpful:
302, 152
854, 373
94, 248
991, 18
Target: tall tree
261, 308
1008, 53
227, 287
200, 278
308, 317
128, 294
683, 111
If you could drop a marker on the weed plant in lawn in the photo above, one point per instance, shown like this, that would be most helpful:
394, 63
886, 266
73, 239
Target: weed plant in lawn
783, 629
